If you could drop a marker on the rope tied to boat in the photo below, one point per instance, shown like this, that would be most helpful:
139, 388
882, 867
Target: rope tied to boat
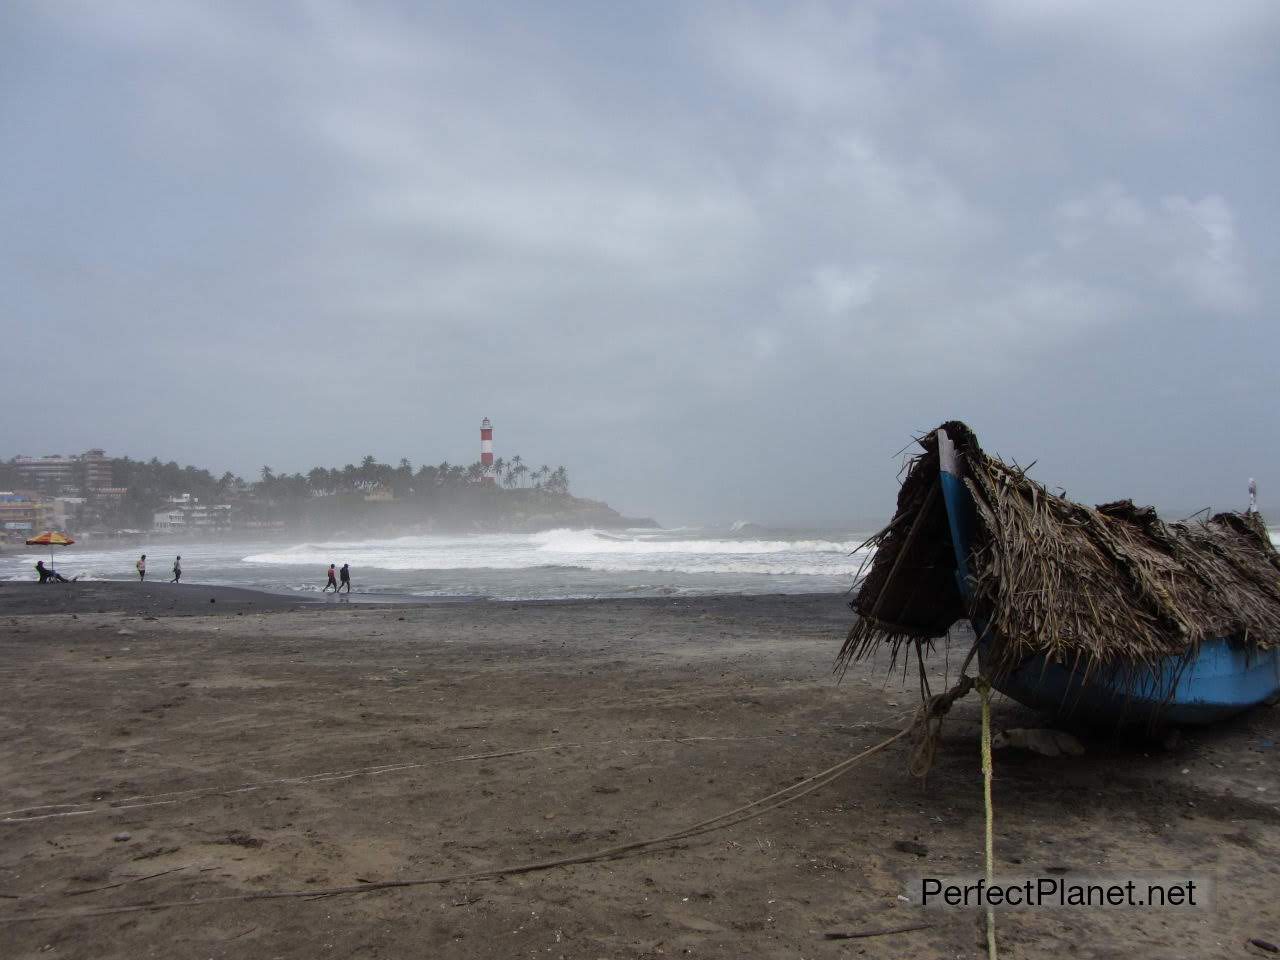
984, 691
741, 814
926, 728
926, 734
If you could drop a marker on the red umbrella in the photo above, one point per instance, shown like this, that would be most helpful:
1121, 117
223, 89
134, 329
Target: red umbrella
50, 539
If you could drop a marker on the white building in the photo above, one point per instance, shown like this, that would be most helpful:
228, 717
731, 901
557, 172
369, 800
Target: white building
187, 513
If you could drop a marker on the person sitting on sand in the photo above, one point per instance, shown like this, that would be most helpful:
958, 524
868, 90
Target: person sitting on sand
345, 576
333, 581
46, 574
177, 569
142, 567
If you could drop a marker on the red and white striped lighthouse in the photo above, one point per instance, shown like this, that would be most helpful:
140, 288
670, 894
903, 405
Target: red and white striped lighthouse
486, 451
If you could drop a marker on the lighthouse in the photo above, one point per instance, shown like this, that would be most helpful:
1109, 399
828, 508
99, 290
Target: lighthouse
486, 451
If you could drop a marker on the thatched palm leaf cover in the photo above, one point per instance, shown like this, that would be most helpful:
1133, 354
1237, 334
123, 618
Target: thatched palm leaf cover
1106, 587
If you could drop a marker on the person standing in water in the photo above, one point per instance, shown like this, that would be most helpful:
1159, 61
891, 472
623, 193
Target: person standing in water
142, 567
177, 569
345, 576
333, 581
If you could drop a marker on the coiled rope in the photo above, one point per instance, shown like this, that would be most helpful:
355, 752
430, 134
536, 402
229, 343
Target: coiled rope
927, 726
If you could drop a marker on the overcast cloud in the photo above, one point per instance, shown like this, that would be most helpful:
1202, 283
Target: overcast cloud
720, 260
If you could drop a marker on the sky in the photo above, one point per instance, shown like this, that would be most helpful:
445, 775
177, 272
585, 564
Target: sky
721, 260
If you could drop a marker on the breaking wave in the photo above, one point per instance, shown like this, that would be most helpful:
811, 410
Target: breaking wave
600, 550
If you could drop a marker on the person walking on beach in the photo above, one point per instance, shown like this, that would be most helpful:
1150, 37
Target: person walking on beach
345, 576
333, 581
142, 567
177, 569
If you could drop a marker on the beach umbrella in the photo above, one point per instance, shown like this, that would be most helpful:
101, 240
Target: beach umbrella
50, 539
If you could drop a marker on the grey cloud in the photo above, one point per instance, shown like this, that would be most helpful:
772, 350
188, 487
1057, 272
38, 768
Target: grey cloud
721, 260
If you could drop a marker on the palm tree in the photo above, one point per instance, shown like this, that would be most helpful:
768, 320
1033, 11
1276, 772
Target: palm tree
427, 478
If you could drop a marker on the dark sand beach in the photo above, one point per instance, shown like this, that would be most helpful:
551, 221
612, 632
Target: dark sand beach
159, 597
138, 599
164, 748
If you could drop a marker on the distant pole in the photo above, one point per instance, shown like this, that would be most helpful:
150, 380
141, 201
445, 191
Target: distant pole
486, 451
1253, 495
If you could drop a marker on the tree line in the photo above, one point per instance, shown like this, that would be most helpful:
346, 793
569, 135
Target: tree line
404, 482
151, 483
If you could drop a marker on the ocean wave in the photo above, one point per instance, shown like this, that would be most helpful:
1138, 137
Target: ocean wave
780, 569
551, 563
599, 550
600, 541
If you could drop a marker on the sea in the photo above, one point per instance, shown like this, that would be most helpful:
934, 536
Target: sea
554, 564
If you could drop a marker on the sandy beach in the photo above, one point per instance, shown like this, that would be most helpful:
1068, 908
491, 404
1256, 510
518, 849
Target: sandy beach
166, 748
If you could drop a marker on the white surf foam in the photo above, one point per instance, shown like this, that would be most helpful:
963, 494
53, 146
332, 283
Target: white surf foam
600, 550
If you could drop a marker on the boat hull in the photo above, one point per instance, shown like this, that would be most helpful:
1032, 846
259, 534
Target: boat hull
1224, 677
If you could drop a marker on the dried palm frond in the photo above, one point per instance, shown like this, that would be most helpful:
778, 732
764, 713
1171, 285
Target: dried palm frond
1110, 587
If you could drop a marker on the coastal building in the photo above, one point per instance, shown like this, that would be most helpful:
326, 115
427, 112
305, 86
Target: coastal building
97, 470
51, 473
486, 452
66, 511
23, 514
76, 475
187, 514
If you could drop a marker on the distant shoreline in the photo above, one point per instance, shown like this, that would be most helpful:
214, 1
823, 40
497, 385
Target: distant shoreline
85, 543
159, 598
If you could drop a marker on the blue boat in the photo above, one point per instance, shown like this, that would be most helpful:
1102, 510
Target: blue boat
1223, 678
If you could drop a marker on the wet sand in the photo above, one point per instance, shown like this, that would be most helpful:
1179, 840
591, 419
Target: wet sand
138, 598
161, 751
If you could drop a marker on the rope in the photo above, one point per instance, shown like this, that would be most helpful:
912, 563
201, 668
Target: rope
927, 726
984, 691
922, 728
748, 811
28, 814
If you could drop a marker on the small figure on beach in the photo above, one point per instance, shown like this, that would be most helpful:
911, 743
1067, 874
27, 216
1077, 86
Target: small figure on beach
345, 576
142, 567
47, 573
177, 569
333, 580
